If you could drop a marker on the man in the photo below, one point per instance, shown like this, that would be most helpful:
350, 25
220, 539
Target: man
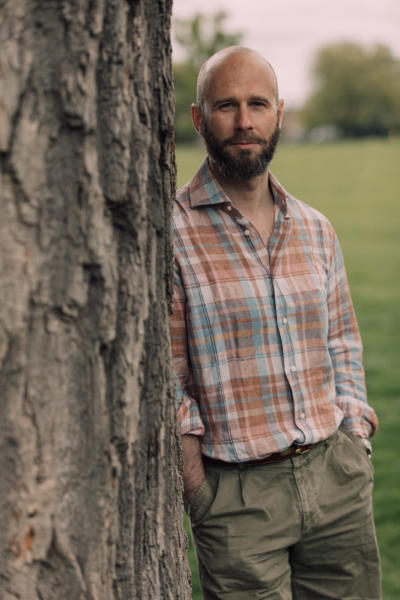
267, 356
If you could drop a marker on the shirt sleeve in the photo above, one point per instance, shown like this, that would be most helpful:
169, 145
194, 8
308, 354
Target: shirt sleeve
345, 349
188, 412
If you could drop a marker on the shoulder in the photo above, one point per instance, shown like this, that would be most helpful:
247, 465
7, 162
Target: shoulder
183, 194
190, 191
181, 210
182, 198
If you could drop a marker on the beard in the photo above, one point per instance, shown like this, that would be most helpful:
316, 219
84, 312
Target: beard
244, 166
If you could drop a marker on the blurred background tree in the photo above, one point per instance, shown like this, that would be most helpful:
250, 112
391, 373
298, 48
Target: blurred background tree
356, 90
202, 36
199, 38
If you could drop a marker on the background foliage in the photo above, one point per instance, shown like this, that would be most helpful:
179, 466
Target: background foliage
356, 90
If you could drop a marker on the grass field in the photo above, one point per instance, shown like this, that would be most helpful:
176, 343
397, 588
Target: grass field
356, 185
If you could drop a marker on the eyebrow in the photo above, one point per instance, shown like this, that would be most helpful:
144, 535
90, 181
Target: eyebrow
260, 99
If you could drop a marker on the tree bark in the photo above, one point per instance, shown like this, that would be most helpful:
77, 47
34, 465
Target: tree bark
90, 493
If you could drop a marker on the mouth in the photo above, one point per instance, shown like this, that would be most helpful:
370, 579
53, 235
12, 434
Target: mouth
244, 144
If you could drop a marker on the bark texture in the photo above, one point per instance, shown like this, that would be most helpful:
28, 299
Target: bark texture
90, 493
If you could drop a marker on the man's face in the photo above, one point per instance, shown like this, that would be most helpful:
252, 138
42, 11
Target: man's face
243, 164
240, 119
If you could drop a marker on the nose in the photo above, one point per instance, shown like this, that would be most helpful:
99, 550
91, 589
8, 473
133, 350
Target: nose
243, 120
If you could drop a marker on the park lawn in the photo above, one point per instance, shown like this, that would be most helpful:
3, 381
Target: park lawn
356, 184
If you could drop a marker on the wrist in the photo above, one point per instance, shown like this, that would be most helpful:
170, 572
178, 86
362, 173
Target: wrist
366, 443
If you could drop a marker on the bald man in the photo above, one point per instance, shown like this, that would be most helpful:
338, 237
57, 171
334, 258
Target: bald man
267, 357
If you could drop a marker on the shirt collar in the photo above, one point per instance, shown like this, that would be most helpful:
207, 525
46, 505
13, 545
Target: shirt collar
205, 190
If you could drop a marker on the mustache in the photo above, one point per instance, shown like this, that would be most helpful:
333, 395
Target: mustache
243, 138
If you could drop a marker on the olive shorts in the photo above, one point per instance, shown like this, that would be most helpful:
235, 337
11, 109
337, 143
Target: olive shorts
299, 529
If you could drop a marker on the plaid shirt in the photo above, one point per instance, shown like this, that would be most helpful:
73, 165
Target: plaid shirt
265, 343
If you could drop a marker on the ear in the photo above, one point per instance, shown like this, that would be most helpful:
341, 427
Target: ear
196, 118
280, 112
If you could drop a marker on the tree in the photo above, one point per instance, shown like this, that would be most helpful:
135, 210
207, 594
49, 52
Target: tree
202, 36
356, 90
185, 80
90, 495
199, 38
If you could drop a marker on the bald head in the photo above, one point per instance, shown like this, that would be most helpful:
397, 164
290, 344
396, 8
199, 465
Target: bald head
238, 112
225, 58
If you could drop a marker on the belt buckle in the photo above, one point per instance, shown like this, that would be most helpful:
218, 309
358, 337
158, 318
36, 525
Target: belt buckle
301, 450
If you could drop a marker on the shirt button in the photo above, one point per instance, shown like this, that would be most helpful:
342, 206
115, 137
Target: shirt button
293, 368
246, 232
302, 415
284, 320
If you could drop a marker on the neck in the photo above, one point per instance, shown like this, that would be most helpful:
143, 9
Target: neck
252, 193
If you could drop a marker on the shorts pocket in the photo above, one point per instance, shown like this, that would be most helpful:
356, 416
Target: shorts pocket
356, 441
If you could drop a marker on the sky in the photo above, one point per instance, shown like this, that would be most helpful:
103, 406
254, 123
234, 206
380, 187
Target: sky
288, 32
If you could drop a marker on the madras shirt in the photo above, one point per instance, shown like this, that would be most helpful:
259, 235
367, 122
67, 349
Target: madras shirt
265, 343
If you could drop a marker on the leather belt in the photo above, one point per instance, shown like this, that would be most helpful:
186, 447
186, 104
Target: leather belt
293, 450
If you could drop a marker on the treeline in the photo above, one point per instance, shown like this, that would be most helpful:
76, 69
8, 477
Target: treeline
199, 38
355, 91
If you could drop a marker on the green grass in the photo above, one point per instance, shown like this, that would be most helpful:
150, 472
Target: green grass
356, 184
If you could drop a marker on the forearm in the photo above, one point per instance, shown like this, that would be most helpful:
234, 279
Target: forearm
345, 349
193, 470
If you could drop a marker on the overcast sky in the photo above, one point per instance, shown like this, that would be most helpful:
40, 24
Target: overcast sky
288, 32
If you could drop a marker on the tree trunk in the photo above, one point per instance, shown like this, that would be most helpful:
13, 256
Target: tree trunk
90, 493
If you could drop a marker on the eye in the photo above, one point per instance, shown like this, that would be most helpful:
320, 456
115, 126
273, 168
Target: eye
258, 104
225, 106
